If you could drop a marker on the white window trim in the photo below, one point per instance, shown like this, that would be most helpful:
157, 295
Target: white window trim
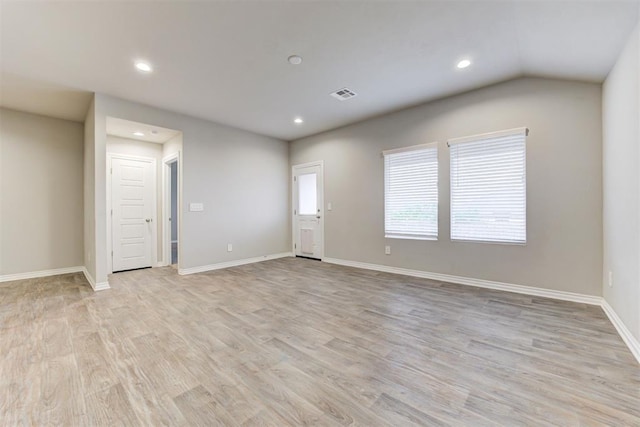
409, 237
404, 150
524, 131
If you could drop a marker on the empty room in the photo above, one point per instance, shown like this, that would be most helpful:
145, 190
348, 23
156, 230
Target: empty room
285, 213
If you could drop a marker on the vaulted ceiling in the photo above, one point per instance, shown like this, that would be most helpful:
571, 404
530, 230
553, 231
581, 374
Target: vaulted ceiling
227, 61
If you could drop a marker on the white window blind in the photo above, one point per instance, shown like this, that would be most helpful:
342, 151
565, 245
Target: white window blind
411, 192
488, 187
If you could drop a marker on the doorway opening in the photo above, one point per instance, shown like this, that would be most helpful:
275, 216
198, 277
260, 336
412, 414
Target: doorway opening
171, 197
139, 232
308, 211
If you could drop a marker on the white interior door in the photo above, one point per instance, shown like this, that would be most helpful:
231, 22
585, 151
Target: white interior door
308, 212
133, 212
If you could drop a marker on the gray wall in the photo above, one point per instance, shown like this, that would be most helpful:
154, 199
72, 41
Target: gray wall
621, 152
172, 146
89, 193
41, 198
240, 177
564, 184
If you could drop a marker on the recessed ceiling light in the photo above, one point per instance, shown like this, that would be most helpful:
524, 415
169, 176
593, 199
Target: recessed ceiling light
295, 60
138, 134
464, 63
145, 67
298, 120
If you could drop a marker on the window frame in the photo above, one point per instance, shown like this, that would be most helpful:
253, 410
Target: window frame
488, 138
388, 154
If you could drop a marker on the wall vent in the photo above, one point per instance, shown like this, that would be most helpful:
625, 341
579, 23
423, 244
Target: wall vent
343, 94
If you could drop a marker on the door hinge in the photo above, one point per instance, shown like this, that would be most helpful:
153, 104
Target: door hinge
111, 212
112, 253
295, 212
111, 171
295, 246
294, 179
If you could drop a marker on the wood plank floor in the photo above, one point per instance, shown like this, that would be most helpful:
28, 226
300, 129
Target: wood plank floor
297, 342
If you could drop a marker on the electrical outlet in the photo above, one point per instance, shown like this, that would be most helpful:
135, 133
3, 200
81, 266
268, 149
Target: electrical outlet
387, 250
229, 247
610, 279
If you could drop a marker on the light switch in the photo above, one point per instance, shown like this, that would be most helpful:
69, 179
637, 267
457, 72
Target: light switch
329, 207
196, 207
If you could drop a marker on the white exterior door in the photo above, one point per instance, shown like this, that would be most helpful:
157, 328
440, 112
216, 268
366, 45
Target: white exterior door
133, 212
308, 212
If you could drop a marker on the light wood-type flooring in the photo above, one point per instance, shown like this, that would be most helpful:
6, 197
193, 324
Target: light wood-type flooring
298, 342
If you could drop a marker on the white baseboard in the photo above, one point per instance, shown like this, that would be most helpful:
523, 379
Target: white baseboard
480, 283
41, 273
227, 264
625, 333
95, 286
55, 272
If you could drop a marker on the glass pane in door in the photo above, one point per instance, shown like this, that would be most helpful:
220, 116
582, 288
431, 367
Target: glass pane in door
307, 194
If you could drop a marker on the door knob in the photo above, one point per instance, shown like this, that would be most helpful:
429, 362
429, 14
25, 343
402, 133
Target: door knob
318, 216
148, 220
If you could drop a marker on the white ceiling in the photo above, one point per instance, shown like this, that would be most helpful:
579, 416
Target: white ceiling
227, 61
126, 129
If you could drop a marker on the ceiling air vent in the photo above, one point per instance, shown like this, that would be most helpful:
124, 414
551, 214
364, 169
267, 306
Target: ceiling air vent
344, 94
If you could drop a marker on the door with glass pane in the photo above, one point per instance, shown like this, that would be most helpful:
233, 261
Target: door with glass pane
308, 218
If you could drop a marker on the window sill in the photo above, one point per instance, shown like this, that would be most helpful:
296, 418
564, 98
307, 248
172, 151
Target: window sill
488, 242
391, 236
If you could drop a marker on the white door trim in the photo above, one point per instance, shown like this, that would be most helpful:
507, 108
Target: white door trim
319, 163
154, 201
166, 206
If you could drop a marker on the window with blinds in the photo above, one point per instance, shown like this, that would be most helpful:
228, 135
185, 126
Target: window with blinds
411, 192
488, 187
